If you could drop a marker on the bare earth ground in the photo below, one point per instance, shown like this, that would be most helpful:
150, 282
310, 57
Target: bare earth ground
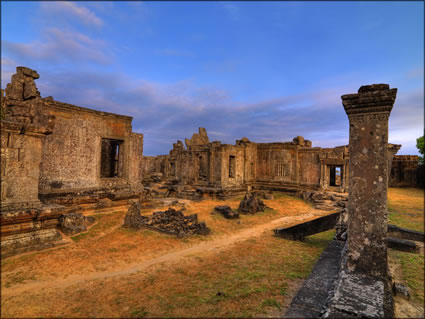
240, 270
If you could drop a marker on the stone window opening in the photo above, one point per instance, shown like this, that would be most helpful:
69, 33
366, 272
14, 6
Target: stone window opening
111, 158
280, 170
252, 169
335, 176
232, 166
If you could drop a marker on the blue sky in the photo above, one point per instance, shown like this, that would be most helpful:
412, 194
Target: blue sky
265, 70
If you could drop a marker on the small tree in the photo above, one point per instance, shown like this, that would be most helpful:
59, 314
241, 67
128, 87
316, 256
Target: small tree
420, 145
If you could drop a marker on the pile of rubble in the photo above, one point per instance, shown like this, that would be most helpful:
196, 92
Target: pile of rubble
326, 200
74, 223
226, 211
251, 204
170, 221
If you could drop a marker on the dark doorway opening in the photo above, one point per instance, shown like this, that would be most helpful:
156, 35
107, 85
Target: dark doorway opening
111, 158
202, 168
232, 166
335, 177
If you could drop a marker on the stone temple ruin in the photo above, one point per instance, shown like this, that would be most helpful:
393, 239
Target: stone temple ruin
47, 163
59, 161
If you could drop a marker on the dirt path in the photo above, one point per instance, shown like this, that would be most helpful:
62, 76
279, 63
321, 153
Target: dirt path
196, 250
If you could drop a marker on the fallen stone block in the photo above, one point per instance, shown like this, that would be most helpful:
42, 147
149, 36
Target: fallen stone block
405, 233
318, 225
74, 223
226, 211
401, 290
402, 245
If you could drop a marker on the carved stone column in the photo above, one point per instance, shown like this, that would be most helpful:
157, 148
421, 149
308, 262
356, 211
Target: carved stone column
368, 112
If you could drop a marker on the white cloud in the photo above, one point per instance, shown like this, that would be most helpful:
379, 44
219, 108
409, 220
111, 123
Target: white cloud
73, 10
59, 46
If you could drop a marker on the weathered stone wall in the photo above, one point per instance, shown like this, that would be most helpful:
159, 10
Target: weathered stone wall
135, 174
25, 126
53, 151
71, 156
309, 167
232, 175
404, 171
21, 156
25, 223
222, 166
277, 162
250, 159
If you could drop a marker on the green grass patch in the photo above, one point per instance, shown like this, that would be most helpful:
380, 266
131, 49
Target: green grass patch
413, 273
270, 302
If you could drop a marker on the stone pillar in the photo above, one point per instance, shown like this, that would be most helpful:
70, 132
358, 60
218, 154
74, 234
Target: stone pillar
368, 112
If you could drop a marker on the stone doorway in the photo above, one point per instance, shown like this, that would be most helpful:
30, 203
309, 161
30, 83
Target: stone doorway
335, 176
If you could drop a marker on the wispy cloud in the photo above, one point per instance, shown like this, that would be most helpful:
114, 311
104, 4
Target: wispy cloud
72, 10
59, 46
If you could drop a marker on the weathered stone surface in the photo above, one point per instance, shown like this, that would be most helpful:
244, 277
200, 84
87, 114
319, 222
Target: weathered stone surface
170, 221
251, 204
226, 211
368, 113
35, 240
299, 231
133, 218
104, 202
200, 138
404, 171
404, 233
310, 300
265, 195
402, 245
74, 223
401, 290
58, 163
355, 296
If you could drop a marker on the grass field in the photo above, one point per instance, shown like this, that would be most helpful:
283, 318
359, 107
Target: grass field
240, 270
406, 209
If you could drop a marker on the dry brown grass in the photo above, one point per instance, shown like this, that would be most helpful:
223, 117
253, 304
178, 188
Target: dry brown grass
106, 246
406, 207
256, 276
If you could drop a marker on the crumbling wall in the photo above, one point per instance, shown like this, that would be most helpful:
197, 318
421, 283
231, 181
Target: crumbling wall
25, 223
24, 128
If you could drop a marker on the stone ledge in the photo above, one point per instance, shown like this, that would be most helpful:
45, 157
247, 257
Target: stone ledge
357, 295
311, 298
